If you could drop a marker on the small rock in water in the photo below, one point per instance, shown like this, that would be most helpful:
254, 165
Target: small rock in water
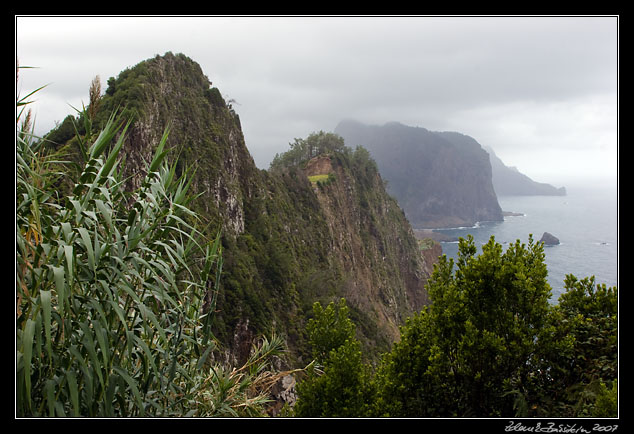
549, 239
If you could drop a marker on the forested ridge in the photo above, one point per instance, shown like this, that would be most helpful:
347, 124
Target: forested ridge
134, 285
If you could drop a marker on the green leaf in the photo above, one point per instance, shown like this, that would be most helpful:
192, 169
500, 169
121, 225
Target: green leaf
68, 231
45, 298
49, 388
159, 155
83, 233
100, 334
148, 354
23, 101
60, 286
27, 349
120, 314
105, 211
133, 387
105, 136
68, 252
74, 395
112, 157
148, 314
89, 344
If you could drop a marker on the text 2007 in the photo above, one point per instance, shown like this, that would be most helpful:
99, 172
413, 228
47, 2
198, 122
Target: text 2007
551, 428
606, 428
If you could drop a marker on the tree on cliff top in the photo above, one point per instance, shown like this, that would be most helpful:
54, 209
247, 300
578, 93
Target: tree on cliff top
304, 149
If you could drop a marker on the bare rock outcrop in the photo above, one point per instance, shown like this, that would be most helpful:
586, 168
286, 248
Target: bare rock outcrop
549, 239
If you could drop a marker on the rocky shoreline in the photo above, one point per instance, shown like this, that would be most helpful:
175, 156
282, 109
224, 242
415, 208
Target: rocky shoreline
432, 234
444, 238
512, 214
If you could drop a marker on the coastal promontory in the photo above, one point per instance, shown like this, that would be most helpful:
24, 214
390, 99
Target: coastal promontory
509, 181
439, 179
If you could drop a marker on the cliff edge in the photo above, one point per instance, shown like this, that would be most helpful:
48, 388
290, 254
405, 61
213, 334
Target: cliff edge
439, 179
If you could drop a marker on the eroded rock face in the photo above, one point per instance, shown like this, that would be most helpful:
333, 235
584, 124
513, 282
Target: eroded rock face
321, 165
171, 91
384, 272
282, 393
430, 250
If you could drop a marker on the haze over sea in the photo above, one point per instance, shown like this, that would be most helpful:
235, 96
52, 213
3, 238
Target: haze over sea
585, 221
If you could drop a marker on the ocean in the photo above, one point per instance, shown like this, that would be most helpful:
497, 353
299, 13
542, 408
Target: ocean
585, 221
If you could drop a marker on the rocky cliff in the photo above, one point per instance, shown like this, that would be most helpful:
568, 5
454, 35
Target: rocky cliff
372, 241
440, 179
508, 181
204, 134
287, 241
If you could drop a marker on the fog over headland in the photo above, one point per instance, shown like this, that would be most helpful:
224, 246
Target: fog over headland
541, 91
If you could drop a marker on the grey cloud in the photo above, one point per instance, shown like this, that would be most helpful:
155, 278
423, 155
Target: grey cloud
510, 82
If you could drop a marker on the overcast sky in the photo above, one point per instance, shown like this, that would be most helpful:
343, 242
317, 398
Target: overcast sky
541, 91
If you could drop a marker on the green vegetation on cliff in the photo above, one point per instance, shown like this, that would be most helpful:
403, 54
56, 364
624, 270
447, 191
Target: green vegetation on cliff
284, 246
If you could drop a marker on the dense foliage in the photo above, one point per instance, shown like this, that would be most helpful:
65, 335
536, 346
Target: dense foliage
115, 292
489, 345
584, 379
339, 386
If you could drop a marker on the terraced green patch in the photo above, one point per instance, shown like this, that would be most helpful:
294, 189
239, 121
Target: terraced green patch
318, 178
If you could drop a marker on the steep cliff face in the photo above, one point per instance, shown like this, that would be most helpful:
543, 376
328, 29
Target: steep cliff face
508, 181
287, 241
440, 179
372, 240
171, 91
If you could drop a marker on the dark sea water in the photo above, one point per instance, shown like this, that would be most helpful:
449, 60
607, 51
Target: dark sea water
585, 221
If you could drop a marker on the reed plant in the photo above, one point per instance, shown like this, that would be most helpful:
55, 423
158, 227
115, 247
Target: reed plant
115, 291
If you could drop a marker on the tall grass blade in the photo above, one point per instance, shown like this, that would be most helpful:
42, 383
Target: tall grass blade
60, 286
133, 387
88, 342
49, 389
71, 380
87, 243
23, 101
108, 165
104, 138
27, 349
70, 269
45, 298
159, 154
